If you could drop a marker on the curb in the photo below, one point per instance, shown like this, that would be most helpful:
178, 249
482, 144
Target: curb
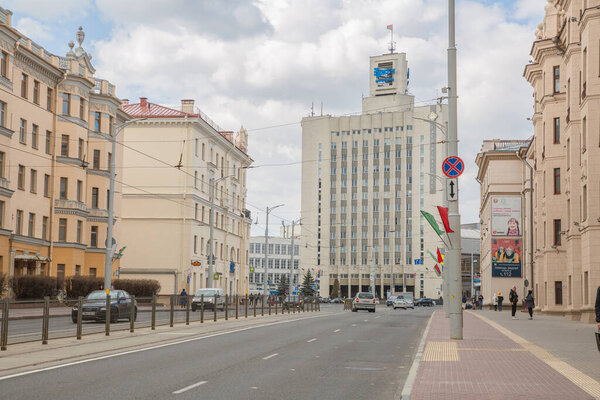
412, 374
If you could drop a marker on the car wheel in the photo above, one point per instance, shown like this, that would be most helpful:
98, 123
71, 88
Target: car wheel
371, 310
114, 316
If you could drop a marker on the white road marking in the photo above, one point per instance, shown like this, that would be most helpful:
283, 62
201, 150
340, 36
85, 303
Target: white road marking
337, 330
271, 356
254, 387
185, 389
379, 316
311, 340
366, 320
353, 324
158, 346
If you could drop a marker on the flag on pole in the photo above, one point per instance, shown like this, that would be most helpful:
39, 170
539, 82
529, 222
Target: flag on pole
432, 222
440, 257
390, 27
444, 215
432, 256
437, 270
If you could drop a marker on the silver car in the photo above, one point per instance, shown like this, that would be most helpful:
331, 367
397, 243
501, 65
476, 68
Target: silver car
213, 298
363, 301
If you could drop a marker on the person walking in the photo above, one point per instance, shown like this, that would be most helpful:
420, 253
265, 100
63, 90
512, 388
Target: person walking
183, 298
530, 303
513, 297
495, 301
480, 298
500, 300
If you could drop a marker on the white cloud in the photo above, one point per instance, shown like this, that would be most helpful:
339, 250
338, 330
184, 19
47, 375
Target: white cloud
34, 29
528, 9
45, 10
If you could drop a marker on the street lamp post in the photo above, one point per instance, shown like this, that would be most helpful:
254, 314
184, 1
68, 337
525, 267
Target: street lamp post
291, 274
110, 206
269, 209
211, 262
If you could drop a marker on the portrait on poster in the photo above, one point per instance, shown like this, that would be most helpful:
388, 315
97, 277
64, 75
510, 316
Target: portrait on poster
506, 216
506, 257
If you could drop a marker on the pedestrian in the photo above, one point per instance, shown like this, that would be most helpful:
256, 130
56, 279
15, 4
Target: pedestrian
495, 302
183, 298
529, 303
500, 300
513, 297
480, 298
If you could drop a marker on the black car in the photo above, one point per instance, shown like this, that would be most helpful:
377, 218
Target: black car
94, 306
424, 302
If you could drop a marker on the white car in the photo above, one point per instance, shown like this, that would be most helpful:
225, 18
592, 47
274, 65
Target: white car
399, 303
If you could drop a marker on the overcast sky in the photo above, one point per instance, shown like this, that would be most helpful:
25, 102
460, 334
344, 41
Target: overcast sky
261, 63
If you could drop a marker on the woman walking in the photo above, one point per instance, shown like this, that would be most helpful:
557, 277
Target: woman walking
530, 303
514, 299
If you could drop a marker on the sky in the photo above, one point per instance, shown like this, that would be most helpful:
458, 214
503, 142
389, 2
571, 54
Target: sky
261, 64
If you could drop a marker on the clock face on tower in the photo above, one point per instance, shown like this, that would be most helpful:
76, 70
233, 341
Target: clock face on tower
384, 74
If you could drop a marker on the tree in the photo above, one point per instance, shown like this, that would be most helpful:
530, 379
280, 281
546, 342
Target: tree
335, 291
282, 288
307, 284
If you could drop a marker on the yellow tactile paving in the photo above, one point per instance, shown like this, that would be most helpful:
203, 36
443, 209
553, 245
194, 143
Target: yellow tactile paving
484, 349
441, 351
583, 381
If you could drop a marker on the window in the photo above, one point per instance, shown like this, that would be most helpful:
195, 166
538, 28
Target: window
31, 225
80, 149
96, 160
556, 130
195, 244
21, 177
66, 104
82, 108
34, 136
108, 161
33, 181
19, 227
111, 125
556, 180
2, 113
95, 197
557, 79
36, 92
22, 130
62, 230
558, 292
64, 146
24, 79
97, 121
49, 95
94, 237
584, 203
2, 157
64, 183
79, 190
60, 272
79, 229
557, 227
4, 64
44, 228
93, 272
48, 137
46, 185
77, 270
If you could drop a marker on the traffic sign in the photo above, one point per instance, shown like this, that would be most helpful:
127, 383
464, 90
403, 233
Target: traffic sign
453, 167
313, 287
216, 276
251, 269
452, 189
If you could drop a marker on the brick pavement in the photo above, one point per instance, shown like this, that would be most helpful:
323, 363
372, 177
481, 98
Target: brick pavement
490, 366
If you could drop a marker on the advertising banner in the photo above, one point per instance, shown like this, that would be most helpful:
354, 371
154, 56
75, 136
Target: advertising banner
506, 216
506, 258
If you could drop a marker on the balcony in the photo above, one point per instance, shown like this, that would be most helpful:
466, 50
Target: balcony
98, 213
4, 188
71, 205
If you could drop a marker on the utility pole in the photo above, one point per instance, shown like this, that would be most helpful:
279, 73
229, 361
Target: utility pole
373, 274
472, 292
453, 257
291, 263
269, 209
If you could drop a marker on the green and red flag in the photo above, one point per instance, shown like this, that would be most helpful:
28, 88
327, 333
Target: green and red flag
444, 215
437, 270
432, 256
432, 222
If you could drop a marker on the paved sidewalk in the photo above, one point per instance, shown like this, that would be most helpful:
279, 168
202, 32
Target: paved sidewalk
491, 362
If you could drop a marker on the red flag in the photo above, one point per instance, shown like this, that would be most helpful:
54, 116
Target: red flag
390, 27
440, 258
444, 215
437, 270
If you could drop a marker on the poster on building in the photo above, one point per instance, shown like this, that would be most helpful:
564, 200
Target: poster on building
506, 216
506, 258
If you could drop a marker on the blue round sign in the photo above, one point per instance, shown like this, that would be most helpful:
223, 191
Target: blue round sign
453, 167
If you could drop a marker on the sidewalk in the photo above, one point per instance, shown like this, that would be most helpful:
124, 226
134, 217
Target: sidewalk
493, 362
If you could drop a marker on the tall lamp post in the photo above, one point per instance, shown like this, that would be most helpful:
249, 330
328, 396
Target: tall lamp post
290, 280
269, 209
111, 200
211, 254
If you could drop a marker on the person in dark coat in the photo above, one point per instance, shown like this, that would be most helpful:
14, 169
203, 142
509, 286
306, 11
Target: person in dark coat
514, 299
598, 307
183, 298
500, 300
480, 298
529, 303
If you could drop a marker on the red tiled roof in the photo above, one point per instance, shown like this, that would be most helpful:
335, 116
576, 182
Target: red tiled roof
145, 109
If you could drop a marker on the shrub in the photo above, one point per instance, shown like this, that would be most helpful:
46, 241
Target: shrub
138, 287
82, 285
34, 287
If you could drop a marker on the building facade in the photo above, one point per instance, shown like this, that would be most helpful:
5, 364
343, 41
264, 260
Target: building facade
172, 158
469, 258
565, 75
279, 260
505, 214
365, 179
56, 121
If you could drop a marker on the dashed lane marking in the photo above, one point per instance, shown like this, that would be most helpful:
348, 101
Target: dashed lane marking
336, 331
271, 356
311, 340
185, 389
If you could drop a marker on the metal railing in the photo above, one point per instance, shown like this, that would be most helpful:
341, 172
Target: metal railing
49, 319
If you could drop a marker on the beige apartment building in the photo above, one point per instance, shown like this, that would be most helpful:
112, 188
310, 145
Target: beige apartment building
365, 179
565, 75
170, 159
55, 124
505, 215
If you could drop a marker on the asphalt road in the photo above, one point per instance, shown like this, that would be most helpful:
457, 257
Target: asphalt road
343, 355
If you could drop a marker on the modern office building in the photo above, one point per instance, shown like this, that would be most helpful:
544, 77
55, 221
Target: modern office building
365, 179
56, 120
469, 258
564, 72
279, 261
171, 159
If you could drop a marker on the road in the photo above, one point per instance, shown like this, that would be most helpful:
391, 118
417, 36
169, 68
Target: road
322, 356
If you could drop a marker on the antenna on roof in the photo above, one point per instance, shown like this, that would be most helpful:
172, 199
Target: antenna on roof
392, 47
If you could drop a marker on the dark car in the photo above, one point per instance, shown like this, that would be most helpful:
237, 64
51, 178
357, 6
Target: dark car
94, 306
337, 300
424, 302
390, 301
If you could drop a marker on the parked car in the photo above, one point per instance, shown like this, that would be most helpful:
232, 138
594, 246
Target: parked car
337, 300
364, 301
94, 306
324, 300
399, 303
409, 303
390, 300
210, 302
425, 302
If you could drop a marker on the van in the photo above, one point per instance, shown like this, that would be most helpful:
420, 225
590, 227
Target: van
213, 298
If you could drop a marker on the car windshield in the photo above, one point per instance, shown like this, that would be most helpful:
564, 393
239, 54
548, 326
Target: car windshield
100, 294
365, 296
206, 292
